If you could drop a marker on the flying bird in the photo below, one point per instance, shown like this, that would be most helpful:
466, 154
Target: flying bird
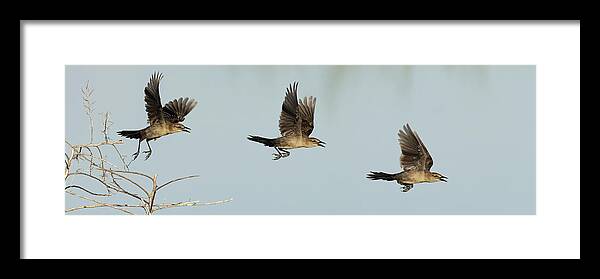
415, 162
162, 120
296, 123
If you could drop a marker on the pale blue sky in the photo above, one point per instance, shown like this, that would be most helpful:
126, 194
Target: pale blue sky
478, 123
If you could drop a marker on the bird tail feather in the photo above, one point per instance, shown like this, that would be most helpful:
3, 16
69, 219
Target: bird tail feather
131, 134
381, 176
265, 141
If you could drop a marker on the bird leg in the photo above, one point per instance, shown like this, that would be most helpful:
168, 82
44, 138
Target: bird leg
149, 151
278, 155
135, 155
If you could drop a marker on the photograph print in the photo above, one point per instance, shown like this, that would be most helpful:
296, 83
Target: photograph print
300, 140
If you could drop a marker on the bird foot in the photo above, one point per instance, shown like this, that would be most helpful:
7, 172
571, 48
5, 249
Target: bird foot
135, 155
277, 156
406, 188
147, 156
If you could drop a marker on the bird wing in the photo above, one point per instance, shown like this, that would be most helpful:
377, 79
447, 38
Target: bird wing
152, 99
307, 114
176, 110
414, 153
289, 119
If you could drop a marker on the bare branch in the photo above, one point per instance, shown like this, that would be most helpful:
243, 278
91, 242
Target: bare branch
90, 176
106, 124
97, 144
92, 154
128, 179
101, 162
189, 203
152, 195
135, 172
88, 104
120, 190
125, 165
100, 204
85, 157
68, 162
114, 206
175, 180
87, 191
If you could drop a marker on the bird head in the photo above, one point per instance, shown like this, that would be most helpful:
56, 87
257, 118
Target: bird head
435, 177
314, 142
178, 127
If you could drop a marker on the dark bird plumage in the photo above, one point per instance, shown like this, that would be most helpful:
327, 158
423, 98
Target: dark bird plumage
415, 161
162, 120
296, 123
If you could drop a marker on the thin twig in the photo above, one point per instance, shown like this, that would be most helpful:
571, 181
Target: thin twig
134, 172
69, 162
175, 180
101, 162
113, 206
125, 165
87, 191
106, 125
94, 157
120, 189
108, 186
92, 177
98, 144
91, 154
152, 195
100, 204
129, 180
86, 92
189, 203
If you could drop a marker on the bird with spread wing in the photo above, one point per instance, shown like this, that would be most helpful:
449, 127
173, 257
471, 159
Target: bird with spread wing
162, 120
414, 160
296, 123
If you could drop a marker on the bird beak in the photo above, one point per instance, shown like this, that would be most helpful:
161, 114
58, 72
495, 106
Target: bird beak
321, 143
443, 178
186, 129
